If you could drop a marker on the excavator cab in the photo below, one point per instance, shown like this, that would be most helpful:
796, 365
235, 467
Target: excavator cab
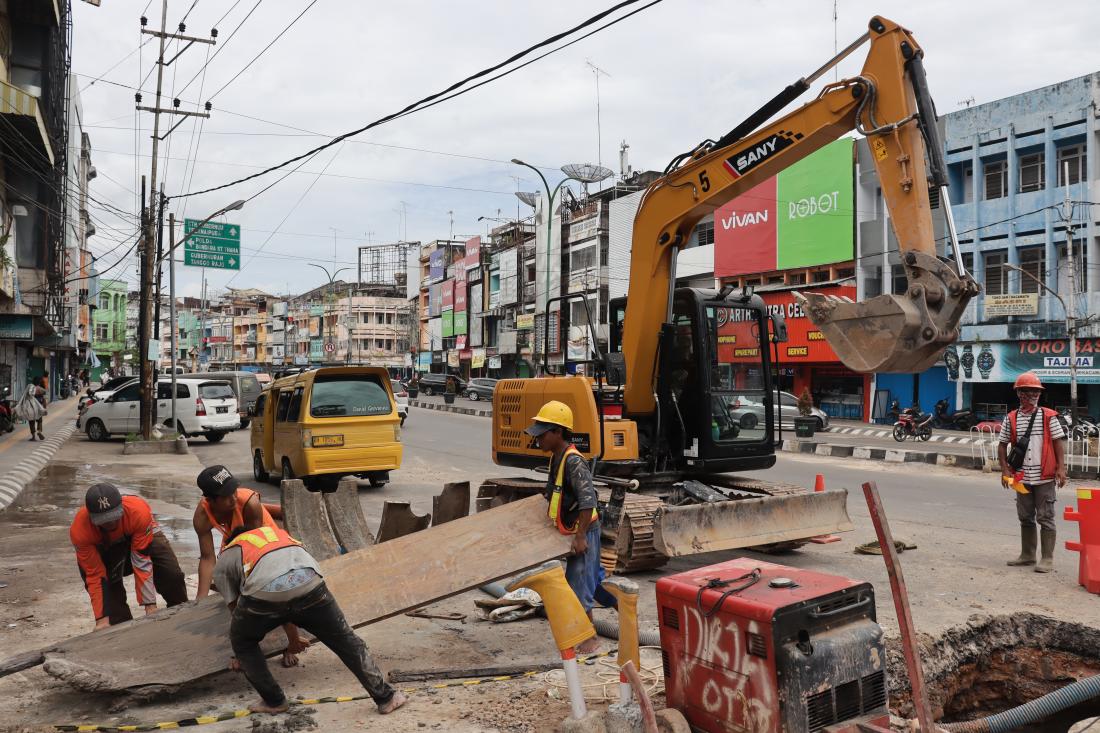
715, 383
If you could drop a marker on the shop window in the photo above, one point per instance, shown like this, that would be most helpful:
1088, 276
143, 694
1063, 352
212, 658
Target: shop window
821, 276
1033, 261
1074, 155
845, 272
996, 179
996, 275
968, 261
796, 278
750, 282
775, 280
1032, 172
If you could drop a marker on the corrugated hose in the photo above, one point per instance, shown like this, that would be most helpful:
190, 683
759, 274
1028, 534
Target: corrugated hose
1031, 712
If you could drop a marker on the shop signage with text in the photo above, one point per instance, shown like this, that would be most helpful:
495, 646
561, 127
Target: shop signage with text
799, 218
1011, 304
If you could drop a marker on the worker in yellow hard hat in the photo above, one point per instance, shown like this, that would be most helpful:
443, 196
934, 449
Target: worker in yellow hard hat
1032, 455
572, 504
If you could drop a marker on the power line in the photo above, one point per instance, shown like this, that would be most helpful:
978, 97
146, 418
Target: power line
222, 45
429, 100
114, 66
264, 50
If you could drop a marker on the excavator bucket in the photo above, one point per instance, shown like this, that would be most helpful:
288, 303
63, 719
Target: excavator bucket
730, 525
896, 333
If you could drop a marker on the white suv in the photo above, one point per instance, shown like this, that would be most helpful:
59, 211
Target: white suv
203, 407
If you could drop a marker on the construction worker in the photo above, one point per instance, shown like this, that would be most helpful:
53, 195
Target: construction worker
267, 578
1032, 456
572, 504
115, 536
225, 505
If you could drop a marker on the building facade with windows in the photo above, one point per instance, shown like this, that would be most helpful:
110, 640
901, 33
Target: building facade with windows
109, 329
1012, 164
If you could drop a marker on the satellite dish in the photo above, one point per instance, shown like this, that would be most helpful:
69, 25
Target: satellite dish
527, 197
586, 172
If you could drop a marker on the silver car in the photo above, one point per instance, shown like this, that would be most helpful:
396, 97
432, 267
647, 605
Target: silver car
748, 412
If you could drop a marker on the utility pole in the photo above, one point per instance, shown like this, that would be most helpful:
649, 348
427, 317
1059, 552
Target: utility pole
150, 260
1071, 310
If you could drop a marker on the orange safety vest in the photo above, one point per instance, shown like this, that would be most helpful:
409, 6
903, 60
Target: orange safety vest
243, 496
1049, 461
554, 509
255, 543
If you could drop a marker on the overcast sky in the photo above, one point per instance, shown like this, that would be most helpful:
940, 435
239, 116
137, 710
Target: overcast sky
676, 73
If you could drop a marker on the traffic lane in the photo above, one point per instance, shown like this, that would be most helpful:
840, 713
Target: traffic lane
439, 447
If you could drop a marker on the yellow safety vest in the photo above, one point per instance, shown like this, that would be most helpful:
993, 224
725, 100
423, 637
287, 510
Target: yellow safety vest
256, 543
553, 509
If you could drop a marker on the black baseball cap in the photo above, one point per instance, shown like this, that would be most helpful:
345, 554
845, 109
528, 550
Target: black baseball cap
217, 481
537, 428
104, 504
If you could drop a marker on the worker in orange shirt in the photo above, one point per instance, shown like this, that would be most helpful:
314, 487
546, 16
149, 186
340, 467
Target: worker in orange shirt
225, 505
115, 536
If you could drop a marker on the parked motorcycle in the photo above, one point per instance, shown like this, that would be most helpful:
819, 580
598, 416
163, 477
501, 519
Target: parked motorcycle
1080, 428
912, 423
957, 420
7, 413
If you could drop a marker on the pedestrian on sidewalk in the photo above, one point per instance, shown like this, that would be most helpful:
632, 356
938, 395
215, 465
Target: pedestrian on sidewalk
115, 536
572, 507
32, 407
267, 579
1032, 453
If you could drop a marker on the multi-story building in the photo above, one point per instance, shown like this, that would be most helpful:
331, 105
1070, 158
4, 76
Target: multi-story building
109, 325
37, 329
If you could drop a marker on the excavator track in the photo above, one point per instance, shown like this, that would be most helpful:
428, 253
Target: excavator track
630, 548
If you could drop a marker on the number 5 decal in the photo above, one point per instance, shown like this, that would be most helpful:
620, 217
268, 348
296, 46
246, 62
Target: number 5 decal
704, 181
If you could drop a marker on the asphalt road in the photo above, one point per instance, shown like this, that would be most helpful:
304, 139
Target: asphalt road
963, 523
441, 446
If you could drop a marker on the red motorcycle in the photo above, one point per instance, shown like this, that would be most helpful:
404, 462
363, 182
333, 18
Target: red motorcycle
912, 423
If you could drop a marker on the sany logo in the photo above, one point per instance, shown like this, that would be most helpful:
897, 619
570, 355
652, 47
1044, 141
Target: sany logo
745, 160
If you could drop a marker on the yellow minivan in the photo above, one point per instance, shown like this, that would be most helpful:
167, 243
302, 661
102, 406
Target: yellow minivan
326, 423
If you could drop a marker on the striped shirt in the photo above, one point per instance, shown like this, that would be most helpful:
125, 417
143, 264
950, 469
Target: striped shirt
1033, 460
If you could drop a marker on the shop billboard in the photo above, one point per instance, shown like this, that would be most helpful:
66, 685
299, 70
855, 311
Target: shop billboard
473, 252
448, 294
448, 324
459, 322
1004, 361
738, 340
460, 290
799, 218
436, 266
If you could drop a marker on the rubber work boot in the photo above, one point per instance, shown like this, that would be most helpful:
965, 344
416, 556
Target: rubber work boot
1046, 564
1028, 539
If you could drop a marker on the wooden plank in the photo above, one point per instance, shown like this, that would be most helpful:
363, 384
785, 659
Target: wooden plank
184, 643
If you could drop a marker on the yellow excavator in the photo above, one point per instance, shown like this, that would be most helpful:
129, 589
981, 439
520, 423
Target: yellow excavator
656, 415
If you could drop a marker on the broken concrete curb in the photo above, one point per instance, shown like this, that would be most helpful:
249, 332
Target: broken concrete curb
154, 447
28, 469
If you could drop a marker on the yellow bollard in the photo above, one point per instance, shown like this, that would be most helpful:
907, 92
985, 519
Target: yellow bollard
568, 622
626, 593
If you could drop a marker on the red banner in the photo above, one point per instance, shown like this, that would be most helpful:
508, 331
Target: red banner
473, 252
448, 294
745, 232
460, 289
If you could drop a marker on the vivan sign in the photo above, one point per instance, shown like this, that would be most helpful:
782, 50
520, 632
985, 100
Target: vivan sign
799, 218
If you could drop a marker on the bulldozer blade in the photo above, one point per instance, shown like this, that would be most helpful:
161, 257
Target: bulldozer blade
730, 525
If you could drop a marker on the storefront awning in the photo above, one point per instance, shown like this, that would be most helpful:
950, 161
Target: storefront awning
21, 110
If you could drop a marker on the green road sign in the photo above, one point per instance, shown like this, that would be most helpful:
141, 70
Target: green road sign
215, 244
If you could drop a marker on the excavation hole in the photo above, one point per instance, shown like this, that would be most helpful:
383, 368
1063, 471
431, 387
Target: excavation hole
994, 664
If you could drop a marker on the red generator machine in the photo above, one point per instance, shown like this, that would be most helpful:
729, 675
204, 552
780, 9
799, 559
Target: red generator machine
755, 646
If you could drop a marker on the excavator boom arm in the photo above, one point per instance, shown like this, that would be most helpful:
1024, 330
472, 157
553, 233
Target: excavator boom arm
888, 333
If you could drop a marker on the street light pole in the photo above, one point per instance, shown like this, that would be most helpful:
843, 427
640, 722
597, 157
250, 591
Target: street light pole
331, 293
1071, 332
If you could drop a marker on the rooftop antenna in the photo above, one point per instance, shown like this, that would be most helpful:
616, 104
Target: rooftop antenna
596, 71
966, 102
624, 161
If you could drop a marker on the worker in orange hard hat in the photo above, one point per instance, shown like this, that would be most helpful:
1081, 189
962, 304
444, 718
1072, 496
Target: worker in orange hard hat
1032, 457
572, 504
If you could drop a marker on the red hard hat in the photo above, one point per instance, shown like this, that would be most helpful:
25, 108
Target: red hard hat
1028, 380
